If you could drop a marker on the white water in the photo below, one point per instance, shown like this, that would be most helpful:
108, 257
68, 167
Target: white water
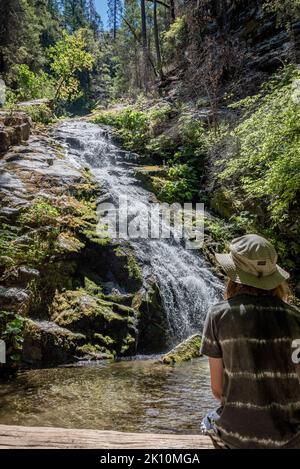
187, 286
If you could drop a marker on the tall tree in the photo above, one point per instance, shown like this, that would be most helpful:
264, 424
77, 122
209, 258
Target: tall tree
114, 15
20, 30
156, 39
144, 41
94, 17
75, 14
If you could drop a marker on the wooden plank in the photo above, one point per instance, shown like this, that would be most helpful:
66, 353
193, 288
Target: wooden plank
49, 437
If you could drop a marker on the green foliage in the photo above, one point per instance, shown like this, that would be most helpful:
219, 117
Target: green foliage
175, 37
19, 36
158, 115
223, 231
11, 331
39, 113
32, 85
40, 213
194, 145
144, 132
286, 10
267, 165
162, 146
32, 250
131, 126
68, 57
179, 185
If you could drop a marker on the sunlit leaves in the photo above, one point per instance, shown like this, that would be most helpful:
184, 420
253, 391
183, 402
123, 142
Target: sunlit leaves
68, 57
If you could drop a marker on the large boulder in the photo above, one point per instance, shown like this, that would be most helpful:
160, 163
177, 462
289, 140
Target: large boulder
14, 299
46, 342
185, 351
109, 327
14, 129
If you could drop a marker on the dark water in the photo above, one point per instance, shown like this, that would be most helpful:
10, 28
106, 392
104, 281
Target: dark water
133, 395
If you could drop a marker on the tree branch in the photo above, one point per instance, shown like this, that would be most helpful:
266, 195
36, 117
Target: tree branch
161, 3
133, 32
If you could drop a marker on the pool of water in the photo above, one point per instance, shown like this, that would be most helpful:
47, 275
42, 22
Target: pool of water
139, 395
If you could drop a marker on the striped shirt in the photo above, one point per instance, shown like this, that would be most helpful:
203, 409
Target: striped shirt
261, 390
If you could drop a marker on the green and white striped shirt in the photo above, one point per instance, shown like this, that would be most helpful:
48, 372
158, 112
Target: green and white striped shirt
261, 393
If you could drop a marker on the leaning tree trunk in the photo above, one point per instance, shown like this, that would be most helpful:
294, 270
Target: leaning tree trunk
156, 38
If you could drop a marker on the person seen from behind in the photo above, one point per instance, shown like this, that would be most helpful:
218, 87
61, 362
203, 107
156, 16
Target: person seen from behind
251, 340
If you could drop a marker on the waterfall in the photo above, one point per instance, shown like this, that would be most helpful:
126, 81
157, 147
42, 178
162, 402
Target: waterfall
188, 288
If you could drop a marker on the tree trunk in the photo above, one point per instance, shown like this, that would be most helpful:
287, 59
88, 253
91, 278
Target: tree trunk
115, 19
144, 42
156, 38
172, 10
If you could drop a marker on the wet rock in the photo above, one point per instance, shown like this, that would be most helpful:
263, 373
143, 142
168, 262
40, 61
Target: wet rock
14, 299
66, 243
93, 352
14, 129
185, 351
117, 264
21, 275
152, 322
122, 298
46, 342
4, 140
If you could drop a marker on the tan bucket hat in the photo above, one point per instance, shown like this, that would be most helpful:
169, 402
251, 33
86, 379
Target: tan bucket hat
253, 261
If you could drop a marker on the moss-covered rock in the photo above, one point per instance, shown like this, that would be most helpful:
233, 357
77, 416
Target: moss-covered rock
46, 342
94, 352
185, 351
224, 202
105, 323
131, 265
146, 175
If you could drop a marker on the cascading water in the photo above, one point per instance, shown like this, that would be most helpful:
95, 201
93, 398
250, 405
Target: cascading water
187, 286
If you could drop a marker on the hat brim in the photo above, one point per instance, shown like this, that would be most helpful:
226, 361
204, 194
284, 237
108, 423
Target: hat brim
237, 275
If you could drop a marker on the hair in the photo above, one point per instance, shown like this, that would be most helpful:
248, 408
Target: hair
232, 289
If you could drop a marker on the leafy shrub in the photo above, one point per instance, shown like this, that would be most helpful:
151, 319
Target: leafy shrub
40, 113
32, 85
266, 167
174, 38
286, 10
131, 127
157, 115
163, 146
11, 331
180, 185
193, 141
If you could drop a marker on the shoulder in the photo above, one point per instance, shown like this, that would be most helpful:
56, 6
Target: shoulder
233, 306
219, 309
291, 310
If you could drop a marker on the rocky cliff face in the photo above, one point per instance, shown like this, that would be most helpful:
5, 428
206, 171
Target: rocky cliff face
58, 281
233, 45
14, 129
